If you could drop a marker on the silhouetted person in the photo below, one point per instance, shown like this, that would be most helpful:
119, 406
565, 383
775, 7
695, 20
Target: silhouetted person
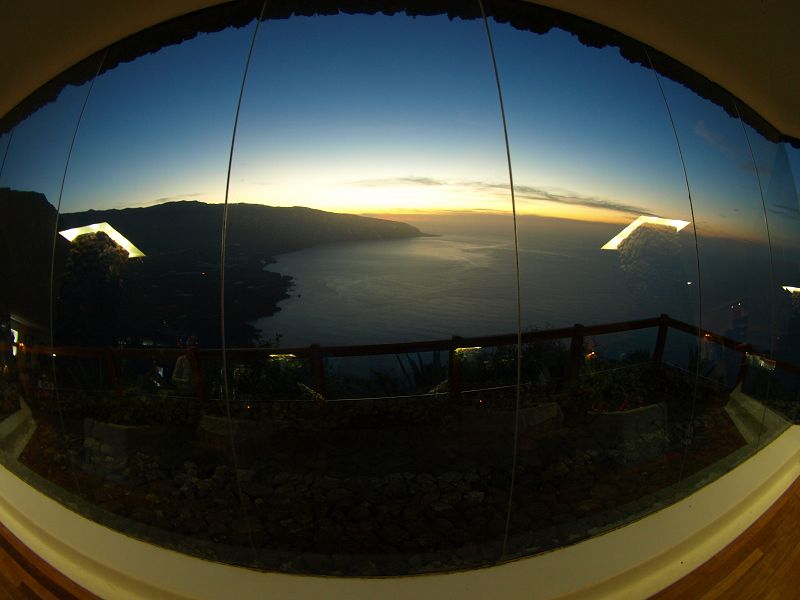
183, 374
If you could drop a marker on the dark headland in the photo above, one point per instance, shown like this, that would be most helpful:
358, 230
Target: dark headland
173, 291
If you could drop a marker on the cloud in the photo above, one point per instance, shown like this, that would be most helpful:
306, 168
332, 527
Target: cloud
175, 197
389, 181
526, 193
788, 212
709, 137
190, 195
720, 142
750, 167
534, 194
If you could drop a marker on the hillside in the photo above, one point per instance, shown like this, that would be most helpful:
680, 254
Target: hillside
173, 291
253, 228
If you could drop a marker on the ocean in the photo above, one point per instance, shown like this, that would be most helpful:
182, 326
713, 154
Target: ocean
459, 283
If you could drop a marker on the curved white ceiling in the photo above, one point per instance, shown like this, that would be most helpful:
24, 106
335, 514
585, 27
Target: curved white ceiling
749, 47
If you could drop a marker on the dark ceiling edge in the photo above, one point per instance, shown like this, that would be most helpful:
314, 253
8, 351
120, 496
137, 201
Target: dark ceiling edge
520, 14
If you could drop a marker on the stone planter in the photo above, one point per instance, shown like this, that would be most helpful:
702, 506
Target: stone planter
108, 446
534, 422
15, 432
126, 439
631, 436
214, 432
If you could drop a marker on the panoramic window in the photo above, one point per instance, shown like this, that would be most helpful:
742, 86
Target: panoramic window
384, 294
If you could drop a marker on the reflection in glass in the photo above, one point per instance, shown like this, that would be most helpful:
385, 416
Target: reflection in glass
782, 211
736, 263
606, 242
362, 413
369, 139
30, 186
135, 300
5, 145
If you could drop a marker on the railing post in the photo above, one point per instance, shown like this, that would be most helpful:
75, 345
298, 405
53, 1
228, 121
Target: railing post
113, 370
318, 370
454, 376
661, 340
199, 379
22, 371
576, 352
744, 364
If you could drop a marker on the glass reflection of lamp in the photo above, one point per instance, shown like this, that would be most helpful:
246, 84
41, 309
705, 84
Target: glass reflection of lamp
71, 234
15, 337
613, 243
468, 349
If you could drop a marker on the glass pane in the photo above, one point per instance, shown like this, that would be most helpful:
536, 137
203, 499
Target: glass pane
30, 183
777, 184
356, 193
736, 268
605, 242
5, 144
136, 297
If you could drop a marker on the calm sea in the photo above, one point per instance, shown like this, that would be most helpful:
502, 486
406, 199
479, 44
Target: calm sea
435, 287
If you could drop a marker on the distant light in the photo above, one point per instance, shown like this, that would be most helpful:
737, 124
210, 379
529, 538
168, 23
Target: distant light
71, 234
688, 283
54, 354
591, 355
283, 356
613, 243
15, 337
791, 289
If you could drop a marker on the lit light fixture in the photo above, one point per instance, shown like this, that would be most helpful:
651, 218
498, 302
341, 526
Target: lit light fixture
791, 289
613, 243
759, 361
15, 337
71, 234
283, 356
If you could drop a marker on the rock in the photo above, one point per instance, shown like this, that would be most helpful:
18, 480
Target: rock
337, 495
217, 529
604, 490
393, 534
245, 475
245, 525
360, 513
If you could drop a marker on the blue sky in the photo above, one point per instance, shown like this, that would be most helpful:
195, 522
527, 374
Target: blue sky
395, 116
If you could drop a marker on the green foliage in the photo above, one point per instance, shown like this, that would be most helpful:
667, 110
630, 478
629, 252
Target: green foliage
91, 291
265, 379
543, 365
419, 374
634, 382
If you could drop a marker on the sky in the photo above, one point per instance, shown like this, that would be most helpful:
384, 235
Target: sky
398, 116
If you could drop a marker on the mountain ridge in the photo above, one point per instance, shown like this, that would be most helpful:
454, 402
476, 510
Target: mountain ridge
259, 228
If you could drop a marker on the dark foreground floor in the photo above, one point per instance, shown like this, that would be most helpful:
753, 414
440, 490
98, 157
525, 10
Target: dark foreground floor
764, 562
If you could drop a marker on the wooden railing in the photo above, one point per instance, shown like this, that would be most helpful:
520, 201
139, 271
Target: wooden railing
317, 354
